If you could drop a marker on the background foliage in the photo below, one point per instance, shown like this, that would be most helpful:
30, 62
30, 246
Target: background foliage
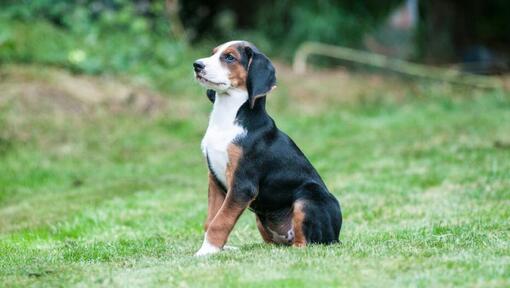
283, 25
131, 37
135, 36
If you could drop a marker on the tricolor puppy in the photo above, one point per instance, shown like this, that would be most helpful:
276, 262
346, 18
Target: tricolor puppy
254, 165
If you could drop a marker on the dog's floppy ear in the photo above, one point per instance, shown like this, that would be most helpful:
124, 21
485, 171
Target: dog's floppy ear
211, 95
261, 77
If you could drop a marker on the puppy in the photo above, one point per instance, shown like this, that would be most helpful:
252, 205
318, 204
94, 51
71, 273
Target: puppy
252, 164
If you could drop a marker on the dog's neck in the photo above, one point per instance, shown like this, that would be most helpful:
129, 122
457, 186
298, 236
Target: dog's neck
234, 107
226, 106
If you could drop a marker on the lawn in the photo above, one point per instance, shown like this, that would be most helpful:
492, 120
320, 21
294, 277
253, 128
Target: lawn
112, 191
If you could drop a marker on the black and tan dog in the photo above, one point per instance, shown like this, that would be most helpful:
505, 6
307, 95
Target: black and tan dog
254, 165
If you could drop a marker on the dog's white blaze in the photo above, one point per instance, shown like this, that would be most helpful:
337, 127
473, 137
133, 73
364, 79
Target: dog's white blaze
222, 131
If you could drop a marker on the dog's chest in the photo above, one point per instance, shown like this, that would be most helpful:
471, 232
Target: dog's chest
221, 132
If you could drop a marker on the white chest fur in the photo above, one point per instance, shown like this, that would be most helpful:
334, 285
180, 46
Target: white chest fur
222, 131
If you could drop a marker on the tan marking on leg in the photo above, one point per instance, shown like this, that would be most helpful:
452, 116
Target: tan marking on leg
267, 238
224, 221
298, 217
234, 153
216, 196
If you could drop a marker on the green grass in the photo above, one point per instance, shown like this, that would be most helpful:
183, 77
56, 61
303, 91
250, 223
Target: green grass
115, 197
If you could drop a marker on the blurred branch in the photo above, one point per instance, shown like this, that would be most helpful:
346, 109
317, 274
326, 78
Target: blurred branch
397, 65
176, 27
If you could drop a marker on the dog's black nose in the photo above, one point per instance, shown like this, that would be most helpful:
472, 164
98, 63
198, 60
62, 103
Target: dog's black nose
198, 66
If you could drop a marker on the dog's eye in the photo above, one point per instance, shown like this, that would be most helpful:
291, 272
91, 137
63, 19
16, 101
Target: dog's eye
229, 58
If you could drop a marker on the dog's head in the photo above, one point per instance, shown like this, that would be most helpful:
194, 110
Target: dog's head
236, 65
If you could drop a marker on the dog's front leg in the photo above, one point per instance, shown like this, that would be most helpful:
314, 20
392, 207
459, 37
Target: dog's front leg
220, 227
216, 197
241, 191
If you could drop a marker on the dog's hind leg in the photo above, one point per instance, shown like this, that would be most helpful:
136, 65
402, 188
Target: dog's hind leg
298, 218
316, 221
265, 236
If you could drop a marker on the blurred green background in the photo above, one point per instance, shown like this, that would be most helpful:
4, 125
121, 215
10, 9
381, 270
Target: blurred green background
136, 37
103, 184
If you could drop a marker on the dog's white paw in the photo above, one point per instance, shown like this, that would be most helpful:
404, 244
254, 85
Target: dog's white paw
207, 248
205, 251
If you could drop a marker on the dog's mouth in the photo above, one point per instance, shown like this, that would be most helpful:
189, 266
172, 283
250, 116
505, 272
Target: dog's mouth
207, 81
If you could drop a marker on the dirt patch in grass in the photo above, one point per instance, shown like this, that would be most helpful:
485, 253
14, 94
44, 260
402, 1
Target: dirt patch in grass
45, 105
318, 90
32, 89
321, 87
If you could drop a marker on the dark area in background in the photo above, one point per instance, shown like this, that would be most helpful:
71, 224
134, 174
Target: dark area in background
474, 33
465, 31
286, 23
448, 31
